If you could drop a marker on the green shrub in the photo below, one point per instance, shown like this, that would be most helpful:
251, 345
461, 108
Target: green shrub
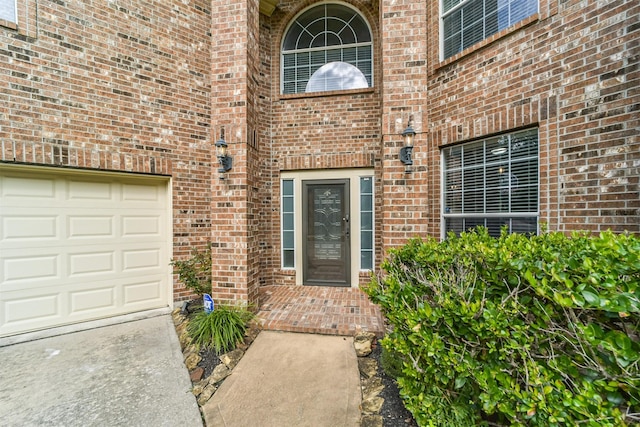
521, 330
391, 362
195, 272
222, 329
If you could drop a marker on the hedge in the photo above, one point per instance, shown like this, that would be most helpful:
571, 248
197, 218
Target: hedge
517, 330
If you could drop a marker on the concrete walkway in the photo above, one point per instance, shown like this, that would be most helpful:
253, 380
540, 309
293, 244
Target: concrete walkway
127, 374
290, 379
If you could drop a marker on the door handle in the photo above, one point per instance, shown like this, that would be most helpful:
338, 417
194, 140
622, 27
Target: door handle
346, 220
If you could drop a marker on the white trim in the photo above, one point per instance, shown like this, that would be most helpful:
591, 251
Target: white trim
323, 49
373, 223
356, 45
443, 232
509, 161
354, 176
169, 230
442, 15
293, 20
295, 228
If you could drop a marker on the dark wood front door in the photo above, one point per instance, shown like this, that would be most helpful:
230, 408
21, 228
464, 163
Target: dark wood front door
326, 232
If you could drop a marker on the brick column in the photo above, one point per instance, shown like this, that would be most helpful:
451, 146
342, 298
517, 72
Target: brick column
234, 265
404, 79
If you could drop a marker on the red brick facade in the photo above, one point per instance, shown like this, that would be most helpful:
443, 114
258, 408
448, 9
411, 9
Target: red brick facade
148, 88
119, 86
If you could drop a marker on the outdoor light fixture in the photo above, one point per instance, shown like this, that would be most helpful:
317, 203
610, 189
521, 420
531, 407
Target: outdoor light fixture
407, 136
225, 160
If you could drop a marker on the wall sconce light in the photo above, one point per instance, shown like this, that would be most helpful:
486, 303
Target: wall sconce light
407, 136
226, 161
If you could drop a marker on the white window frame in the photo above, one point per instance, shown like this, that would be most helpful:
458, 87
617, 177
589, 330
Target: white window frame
372, 212
505, 145
463, 3
354, 176
282, 221
15, 12
340, 48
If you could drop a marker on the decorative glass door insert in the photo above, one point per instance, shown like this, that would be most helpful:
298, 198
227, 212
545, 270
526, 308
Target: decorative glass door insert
326, 232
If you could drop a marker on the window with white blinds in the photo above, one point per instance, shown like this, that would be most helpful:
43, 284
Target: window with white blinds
366, 223
8, 10
327, 47
288, 228
466, 22
492, 183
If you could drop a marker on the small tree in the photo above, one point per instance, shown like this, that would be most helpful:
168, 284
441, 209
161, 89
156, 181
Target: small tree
195, 272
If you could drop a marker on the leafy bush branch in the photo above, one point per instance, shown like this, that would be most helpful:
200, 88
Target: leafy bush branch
195, 272
521, 330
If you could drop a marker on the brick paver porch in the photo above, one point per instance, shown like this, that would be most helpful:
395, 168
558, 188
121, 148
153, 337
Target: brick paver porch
319, 310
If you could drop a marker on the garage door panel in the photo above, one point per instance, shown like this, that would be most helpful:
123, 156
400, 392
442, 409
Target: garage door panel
36, 308
84, 263
141, 225
140, 259
82, 256
76, 247
32, 267
32, 309
143, 292
92, 300
84, 226
19, 188
87, 190
29, 227
141, 193
29, 268
19, 312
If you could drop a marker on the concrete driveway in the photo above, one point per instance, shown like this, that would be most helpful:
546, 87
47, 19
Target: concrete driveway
126, 374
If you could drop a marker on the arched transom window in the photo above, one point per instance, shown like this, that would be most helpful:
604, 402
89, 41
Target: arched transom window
327, 47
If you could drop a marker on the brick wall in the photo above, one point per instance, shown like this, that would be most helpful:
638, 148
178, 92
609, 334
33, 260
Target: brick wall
236, 197
408, 192
331, 131
255, 161
572, 71
144, 87
267, 176
121, 86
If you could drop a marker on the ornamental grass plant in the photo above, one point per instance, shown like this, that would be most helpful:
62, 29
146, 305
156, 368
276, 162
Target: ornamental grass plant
221, 330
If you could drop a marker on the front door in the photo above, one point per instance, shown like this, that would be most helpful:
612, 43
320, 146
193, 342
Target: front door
326, 232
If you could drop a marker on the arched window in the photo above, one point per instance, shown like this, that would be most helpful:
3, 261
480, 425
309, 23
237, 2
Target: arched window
327, 47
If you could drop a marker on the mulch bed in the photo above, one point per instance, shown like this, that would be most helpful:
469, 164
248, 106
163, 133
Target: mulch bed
393, 412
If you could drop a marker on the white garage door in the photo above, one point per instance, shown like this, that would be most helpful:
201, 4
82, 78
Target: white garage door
76, 247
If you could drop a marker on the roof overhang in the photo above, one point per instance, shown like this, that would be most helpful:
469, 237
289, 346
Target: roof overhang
268, 6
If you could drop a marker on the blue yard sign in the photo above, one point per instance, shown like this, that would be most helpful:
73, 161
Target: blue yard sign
208, 303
